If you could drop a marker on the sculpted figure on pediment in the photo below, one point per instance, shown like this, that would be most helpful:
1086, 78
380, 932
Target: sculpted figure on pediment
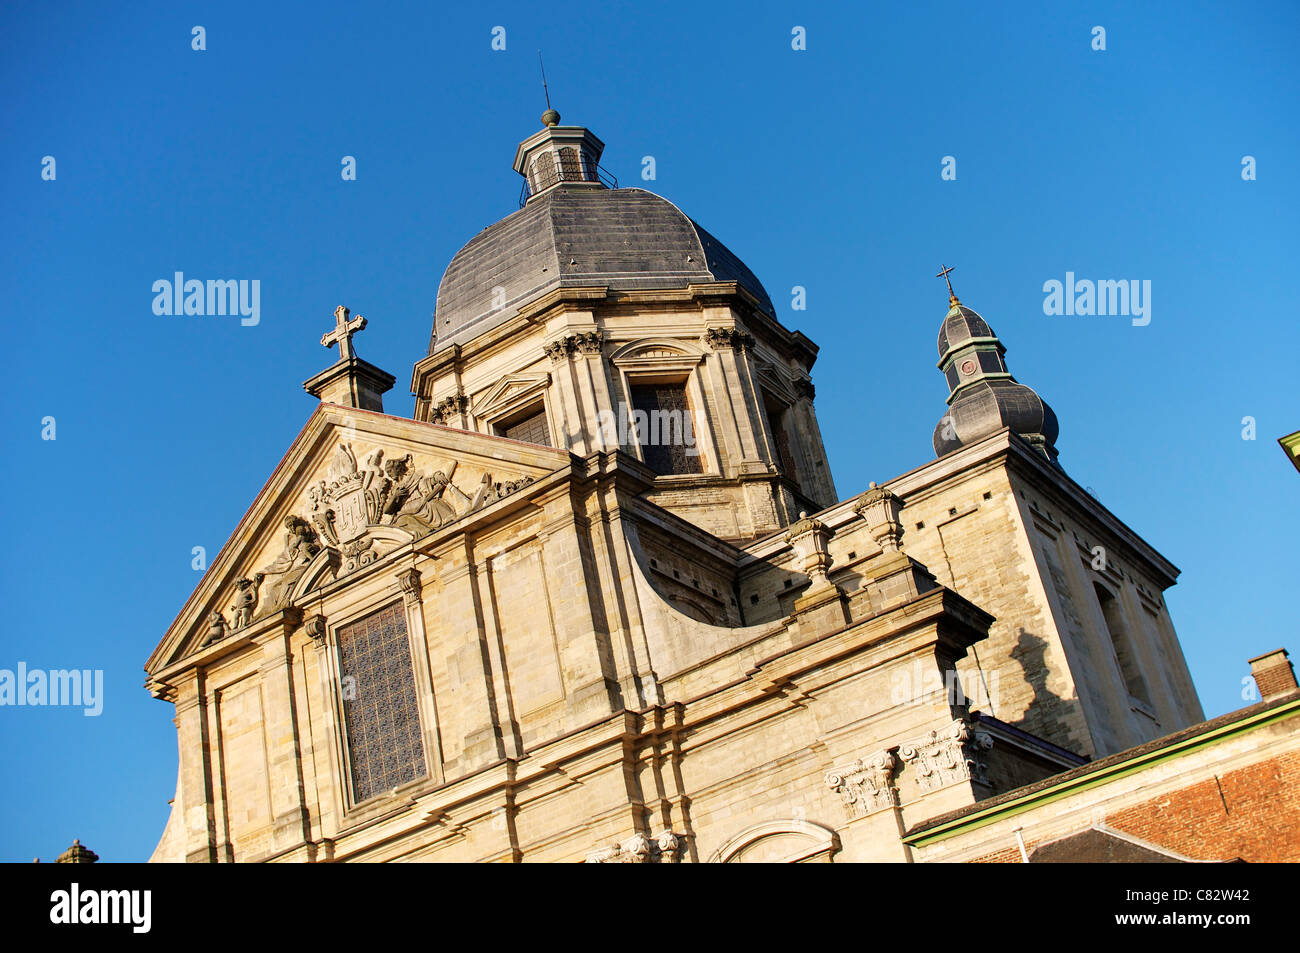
300, 546
423, 505
245, 603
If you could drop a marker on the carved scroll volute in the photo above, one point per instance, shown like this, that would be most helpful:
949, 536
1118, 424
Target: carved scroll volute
411, 586
317, 628
866, 785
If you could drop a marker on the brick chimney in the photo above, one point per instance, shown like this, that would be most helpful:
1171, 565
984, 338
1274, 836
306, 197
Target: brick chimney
1273, 674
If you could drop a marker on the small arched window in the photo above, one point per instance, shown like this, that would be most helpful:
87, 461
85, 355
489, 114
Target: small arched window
543, 172
570, 170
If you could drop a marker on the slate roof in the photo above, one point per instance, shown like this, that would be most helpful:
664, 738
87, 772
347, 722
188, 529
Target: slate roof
573, 236
987, 407
961, 324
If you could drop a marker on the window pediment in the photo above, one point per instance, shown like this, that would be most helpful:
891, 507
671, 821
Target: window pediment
666, 353
510, 394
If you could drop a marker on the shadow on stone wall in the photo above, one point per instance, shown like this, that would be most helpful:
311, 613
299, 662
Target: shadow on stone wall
1043, 715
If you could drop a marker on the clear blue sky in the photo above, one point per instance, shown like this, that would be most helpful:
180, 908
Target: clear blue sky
820, 168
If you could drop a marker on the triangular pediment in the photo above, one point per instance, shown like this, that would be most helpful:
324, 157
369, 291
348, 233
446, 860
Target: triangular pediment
769, 380
510, 392
354, 486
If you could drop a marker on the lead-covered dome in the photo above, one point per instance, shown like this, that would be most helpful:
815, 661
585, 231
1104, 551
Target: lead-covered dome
574, 234
960, 326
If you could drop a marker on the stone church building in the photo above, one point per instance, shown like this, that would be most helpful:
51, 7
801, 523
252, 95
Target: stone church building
600, 599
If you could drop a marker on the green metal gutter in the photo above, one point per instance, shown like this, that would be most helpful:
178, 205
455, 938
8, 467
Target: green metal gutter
1096, 778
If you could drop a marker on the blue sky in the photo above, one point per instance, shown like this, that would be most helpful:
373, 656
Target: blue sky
820, 168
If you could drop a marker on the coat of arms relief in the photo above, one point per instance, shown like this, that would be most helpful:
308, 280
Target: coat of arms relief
352, 517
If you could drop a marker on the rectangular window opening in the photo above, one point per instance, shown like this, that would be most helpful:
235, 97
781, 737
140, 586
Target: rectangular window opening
528, 427
666, 432
380, 710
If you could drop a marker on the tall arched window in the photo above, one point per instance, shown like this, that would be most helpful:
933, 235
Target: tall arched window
1119, 640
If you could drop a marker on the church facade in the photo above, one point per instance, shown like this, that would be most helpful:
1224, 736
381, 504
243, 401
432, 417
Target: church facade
600, 599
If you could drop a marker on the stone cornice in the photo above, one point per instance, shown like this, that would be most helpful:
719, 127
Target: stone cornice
590, 298
938, 617
1003, 448
255, 633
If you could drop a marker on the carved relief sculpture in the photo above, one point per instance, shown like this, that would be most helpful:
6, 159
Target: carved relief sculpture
948, 756
217, 628
424, 508
639, 849
300, 547
245, 603
865, 785
345, 507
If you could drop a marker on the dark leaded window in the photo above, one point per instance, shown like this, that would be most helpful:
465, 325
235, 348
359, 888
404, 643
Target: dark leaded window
379, 706
666, 433
991, 362
544, 175
570, 170
530, 429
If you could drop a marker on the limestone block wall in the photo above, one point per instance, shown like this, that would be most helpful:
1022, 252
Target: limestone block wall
590, 669
1021, 540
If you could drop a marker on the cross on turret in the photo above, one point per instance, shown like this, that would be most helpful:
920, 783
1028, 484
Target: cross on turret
342, 333
944, 272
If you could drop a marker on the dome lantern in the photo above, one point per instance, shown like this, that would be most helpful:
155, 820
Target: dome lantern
568, 155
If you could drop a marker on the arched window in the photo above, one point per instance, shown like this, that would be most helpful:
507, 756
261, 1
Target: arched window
543, 171
780, 842
1119, 640
570, 170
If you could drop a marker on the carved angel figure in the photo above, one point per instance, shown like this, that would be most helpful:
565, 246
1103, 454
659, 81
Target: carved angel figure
217, 628
245, 600
300, 546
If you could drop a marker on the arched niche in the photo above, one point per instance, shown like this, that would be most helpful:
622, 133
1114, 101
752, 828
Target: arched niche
779, 842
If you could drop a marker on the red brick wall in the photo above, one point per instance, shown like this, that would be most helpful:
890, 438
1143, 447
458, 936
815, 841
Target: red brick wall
1252, 813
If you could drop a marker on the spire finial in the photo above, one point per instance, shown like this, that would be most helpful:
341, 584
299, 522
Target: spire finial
550, 117
944, 272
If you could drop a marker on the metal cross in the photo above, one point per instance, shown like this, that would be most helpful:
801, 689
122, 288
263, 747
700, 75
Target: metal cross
342, 333
944, 272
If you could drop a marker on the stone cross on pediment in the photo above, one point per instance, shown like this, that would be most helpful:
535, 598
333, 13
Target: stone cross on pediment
342, 333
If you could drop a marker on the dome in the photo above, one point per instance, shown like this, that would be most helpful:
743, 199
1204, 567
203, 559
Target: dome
575, 235
989, 406
960, 326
